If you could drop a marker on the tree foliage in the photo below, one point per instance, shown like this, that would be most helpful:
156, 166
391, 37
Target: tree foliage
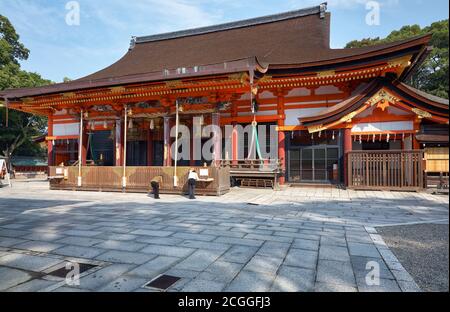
22, 128
432, 75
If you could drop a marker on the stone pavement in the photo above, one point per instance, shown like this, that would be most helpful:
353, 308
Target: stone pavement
247, 240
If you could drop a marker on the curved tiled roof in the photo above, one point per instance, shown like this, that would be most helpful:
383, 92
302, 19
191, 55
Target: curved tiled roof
425, 96
296, 39
410, 95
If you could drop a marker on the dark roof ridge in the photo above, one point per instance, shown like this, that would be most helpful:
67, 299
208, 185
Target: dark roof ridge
320, 9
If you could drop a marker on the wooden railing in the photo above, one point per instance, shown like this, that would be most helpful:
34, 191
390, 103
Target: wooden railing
385, 170
138, 179
256, 165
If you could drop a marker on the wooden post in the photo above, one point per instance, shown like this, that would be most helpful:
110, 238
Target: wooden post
191, 149
124, 158
80, 149
167, 161
215, 121
50, 143
347, 148
177, 121
118, 143
281, 137
235, 145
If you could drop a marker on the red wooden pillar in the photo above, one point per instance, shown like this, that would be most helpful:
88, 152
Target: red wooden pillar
415, 143
215, 121
281, 137
167, 153
50, 143
118, 143
282, 154
235, 145
347, 148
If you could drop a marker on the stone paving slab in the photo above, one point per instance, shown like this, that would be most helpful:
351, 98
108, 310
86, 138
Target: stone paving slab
301, 258
116, 256
31, 286
294, 240
78, 251
154, 267
38, 246
167, 250
125, 283
293, 279
335, 272
248, 281
12, 277
28, 262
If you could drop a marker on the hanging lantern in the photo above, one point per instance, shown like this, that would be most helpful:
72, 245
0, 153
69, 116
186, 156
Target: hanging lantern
130, 124
360, 139
388, 137
292, 135
374, 138
320, 134
403, 137
333, 137
105, 124
152, 124
312, 136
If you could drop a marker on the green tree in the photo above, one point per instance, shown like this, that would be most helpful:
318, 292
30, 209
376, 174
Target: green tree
432, 75
22, 127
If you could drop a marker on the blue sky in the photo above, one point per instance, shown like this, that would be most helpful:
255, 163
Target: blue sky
106, 26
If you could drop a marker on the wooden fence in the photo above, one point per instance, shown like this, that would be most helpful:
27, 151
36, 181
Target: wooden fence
217, 182
385, 170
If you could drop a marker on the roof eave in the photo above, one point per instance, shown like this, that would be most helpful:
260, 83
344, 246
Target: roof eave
243, 65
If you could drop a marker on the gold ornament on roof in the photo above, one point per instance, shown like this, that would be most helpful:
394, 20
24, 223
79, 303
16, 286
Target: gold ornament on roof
382, 95
421, 113
317, 128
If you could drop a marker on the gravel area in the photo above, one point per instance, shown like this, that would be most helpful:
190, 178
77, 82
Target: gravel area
423, 251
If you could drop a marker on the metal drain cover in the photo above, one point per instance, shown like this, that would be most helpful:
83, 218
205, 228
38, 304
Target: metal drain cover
62, 272
163, 282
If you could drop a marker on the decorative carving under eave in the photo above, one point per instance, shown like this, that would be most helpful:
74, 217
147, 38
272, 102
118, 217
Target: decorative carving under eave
401, 62
318, 128
27, 100
381, 96
174, 84
68, 95
117, 89
328, 73
348, 118
265, 78
421, 113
